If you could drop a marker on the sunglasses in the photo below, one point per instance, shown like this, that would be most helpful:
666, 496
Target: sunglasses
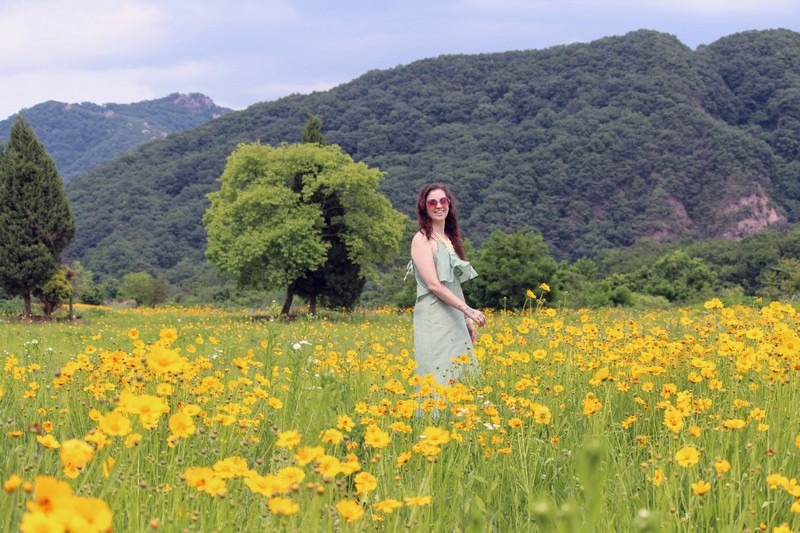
444, 201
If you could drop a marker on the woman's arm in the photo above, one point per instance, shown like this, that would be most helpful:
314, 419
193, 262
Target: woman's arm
422, 251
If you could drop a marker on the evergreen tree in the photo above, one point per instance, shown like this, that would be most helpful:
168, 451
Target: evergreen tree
36, 221
312, 133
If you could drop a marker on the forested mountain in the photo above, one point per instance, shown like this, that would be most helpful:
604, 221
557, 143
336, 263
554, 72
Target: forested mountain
595, 145
81, 136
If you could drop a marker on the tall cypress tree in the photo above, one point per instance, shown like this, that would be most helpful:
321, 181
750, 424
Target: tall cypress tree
36, 221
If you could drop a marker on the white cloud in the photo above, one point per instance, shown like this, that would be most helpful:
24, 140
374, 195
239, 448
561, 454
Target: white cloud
51, 32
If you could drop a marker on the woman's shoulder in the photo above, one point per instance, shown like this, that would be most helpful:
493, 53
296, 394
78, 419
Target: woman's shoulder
420, 237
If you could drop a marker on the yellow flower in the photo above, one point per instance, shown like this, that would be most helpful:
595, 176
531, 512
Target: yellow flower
307, 454
50, 494
701, 487
365, 482
181, 425
529, 293
403, 458
290, 475
658, 477
231, 467
331, 435
48, 441
734, 423
714, 303
687, 456
133, 440
115, 424
282, 506
591, 404
436, 436
74, 455
133, 333
164, 389
417, 500
12, 483
387, 506
345, 423
205, 479
722, 466
349, 510
162, 360
376, 437
545, 287
288, 439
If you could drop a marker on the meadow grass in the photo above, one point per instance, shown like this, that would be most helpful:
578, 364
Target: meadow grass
203, 419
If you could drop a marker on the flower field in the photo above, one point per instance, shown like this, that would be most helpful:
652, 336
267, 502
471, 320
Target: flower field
209, 420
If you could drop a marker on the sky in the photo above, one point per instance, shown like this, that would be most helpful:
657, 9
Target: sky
242, 52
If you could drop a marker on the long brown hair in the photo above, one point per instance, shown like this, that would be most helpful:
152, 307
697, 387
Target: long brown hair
450, 222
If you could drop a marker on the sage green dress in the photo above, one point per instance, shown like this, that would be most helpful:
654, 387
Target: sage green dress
440, 331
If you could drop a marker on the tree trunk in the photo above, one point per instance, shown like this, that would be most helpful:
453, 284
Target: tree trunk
27, 299
71, 315
287, 304
312, 304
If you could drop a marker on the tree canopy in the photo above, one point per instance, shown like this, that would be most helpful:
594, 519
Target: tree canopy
268, 222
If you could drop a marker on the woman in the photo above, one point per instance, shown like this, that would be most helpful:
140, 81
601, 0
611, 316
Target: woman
444, 325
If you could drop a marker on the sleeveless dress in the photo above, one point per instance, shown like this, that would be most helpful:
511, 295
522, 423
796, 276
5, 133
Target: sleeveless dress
440, 331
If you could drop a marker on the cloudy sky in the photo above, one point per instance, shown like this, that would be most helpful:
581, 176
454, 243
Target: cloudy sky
240, 52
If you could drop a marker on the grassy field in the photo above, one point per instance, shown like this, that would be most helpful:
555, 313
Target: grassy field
209, 420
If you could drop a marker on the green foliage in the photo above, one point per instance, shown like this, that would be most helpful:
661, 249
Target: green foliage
312, 133
55, 292
578, 286
508, 265
676, 277
144, 288
82, 136
267, 225
36, 222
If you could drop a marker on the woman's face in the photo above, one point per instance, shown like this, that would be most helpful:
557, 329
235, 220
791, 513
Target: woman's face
437, 204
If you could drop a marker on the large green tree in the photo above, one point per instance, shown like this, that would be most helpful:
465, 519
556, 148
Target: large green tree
267, 223
36, 221
509, 264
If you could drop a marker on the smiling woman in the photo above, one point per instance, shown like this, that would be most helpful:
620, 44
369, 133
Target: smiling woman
444, 328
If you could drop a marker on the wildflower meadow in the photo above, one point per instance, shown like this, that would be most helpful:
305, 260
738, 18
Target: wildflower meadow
205, 419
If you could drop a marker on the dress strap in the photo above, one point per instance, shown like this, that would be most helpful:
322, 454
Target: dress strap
409, 270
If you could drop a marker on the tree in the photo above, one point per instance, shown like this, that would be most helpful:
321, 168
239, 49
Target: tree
145, 288
312, 133
36, 221
509, 264
55, 292
267, 224
676, 276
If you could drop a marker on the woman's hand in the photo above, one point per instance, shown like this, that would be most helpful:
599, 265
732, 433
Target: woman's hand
478, 317
473, 334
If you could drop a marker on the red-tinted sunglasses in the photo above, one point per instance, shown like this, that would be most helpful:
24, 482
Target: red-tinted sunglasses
444, 201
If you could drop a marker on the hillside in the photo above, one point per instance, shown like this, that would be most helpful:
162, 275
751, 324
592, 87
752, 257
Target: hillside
595, 145
81, 136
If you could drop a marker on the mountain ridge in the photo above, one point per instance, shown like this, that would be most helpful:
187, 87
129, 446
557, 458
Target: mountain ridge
80, 136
